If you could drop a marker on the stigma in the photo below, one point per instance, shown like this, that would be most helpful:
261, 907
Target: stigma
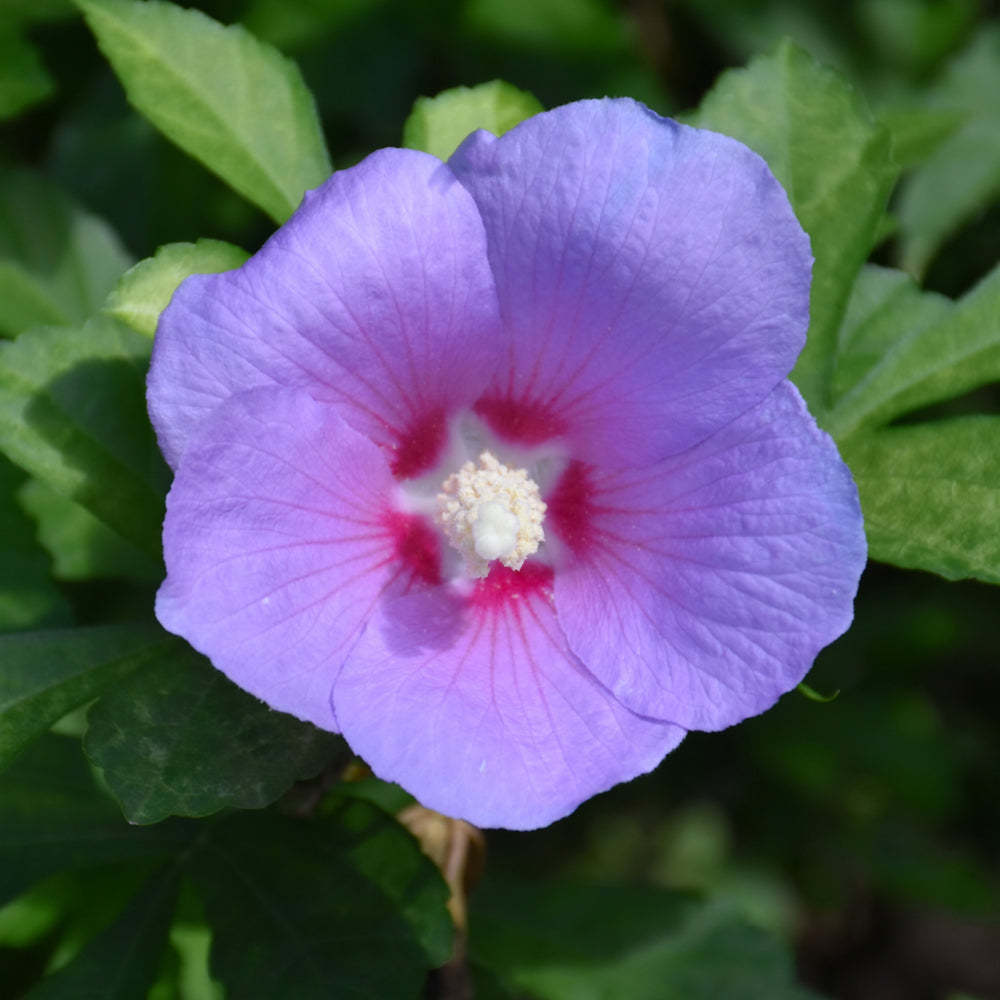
489, 512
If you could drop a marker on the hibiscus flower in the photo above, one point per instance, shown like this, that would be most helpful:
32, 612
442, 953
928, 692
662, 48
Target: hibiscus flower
493, 465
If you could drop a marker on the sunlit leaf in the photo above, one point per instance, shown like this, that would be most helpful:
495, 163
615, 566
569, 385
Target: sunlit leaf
46, 674
822, 143
931, 350
57, 263
144, 291
438, 124
232, 102
931, 495
180, 738
73, 413
885, 307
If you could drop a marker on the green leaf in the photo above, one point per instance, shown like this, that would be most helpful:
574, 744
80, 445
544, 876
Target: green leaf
80, 546
834, 161
290, 24
386, 853
437, 125
57, 263
73, 413
885, 306
228, 100
121, 963
46, 674
930, 350
53, 818
314, 918
919, 132
930, 494
23, 79
180, 738
586, 942
963, 175
144, 291
589, 29
28, 597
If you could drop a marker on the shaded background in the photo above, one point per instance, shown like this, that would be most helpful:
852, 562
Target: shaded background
864, 830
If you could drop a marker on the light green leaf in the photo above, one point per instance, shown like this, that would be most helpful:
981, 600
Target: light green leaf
314, 917
181, 739
588, 942
437, 125
121, 963
885, 306
144, 291
931, 349
57, 263
834, 161
23, 79
73, 413
46, 674
930, 494
228, 100
963, 175
28, 597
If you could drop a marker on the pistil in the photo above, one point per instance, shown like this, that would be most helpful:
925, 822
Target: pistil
491, 512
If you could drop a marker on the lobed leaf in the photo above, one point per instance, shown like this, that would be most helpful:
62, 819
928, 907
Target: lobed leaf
180, 738
225, 98
931, 350
57, 263
144, 291
437, 125
73, 414
930, 494
834, 161
47, 674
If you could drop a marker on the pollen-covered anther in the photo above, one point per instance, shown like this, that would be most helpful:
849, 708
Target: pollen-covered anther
489, 511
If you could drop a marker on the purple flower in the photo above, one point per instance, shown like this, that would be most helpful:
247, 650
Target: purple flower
493, 467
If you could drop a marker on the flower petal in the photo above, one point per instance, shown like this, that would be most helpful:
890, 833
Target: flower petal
652, 277
375, 296
476, 706
701, 589
279, 539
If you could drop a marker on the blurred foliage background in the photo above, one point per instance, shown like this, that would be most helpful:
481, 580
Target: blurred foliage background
863, 829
